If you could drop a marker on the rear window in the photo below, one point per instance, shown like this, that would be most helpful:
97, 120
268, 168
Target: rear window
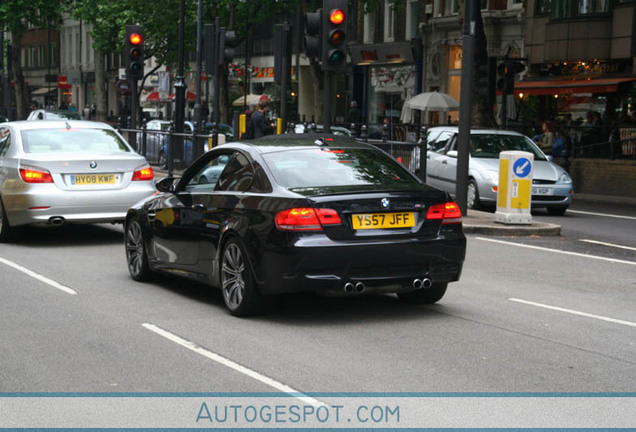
331, 167
72, 140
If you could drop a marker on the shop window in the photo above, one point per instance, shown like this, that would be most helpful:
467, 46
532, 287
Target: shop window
454, 75
544, 7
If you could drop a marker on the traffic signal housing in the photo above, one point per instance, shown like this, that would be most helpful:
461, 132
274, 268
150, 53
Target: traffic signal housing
134, 55
209, 46
334, 35
227, 42
486, 78
313, 34
506, 72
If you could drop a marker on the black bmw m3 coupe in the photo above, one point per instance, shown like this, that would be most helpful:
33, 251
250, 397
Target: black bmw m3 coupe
293, 213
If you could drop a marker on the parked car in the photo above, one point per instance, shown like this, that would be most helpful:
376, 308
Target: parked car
45, 114
53, 172
551, 185
335, 130
188, 127
155, 151
289, 213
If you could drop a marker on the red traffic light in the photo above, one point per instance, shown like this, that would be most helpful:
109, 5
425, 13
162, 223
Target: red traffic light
337, 16
135, 39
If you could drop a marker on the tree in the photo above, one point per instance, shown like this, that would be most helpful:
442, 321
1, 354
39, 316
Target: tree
17, 17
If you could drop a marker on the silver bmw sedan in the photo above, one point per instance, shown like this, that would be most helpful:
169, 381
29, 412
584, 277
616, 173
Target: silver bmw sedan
65, 171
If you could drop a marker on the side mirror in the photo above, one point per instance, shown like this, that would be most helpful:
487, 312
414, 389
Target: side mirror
166, 184
452, 153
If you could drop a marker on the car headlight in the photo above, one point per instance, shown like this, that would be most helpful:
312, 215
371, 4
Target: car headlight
564, 178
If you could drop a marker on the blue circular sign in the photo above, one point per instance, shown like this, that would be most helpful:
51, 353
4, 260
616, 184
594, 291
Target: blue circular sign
521, 168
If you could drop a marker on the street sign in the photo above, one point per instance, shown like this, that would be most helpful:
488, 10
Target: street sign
514, 189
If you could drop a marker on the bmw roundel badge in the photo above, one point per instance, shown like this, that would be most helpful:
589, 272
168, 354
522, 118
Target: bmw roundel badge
93, 165
385, 202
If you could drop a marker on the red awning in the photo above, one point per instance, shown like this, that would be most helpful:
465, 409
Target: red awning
599, 85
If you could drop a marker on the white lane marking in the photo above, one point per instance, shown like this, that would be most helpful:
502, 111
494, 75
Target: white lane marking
37, 276
233, 365
602, 214
574, 312
608, 244
612, 260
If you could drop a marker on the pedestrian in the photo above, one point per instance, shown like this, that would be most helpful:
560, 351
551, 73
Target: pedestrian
87, 111
259, 123
354, 113
545, 142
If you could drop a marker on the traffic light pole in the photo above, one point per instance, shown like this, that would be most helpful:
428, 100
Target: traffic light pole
465, 107
326, 101
180, 88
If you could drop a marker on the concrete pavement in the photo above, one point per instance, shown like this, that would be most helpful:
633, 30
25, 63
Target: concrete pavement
479, 222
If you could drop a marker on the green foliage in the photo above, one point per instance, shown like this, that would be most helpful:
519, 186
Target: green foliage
17, 16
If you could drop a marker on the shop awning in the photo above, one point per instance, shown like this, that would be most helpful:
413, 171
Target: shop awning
43, 91
554, 87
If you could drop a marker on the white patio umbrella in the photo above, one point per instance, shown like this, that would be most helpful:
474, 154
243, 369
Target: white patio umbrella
433, 101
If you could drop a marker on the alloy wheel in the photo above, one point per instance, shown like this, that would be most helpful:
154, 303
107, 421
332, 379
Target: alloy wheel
135, 252
233, 276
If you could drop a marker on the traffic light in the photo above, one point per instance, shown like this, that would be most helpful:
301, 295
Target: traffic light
506, 71
227, 42
209, 46
134, 55
313, 33
334, 35
485, 80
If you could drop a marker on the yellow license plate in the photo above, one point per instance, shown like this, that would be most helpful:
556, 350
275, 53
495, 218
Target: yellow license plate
383, 220
89, 179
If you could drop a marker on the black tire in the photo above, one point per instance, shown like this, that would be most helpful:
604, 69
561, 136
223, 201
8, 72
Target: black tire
472, 196
136, 253
425, 295
240, 293
556, 211
6, 231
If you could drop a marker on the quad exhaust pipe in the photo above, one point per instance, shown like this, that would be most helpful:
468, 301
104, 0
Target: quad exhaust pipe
350, 287
425, 283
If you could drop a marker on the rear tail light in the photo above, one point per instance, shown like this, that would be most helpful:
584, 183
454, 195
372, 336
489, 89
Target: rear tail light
448, 213
306, 219
145, 173
33, 175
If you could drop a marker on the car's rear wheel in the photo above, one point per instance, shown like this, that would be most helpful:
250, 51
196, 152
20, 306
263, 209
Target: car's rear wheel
425, 295
6, 231
472, 196
240, 293
136, 254
556, 211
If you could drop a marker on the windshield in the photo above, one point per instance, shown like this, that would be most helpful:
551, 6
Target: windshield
330, 167
72, 140
489, 146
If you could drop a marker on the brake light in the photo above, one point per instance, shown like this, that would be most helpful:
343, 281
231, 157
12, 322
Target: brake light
449, 213
31, 175
306, 219
143, 174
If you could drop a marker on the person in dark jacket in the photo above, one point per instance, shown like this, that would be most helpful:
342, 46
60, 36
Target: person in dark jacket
259, 123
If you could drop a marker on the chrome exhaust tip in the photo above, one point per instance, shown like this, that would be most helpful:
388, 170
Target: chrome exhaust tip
57, 220
359, 287
348, 287
417, 284
427, 283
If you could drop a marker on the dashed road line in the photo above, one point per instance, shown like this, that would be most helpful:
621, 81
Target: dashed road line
233, 365
39, 277
601, 214
612, 260
608, 244
574, 312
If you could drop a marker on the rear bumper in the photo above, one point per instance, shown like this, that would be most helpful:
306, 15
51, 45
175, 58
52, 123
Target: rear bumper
325, 267
39, 205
